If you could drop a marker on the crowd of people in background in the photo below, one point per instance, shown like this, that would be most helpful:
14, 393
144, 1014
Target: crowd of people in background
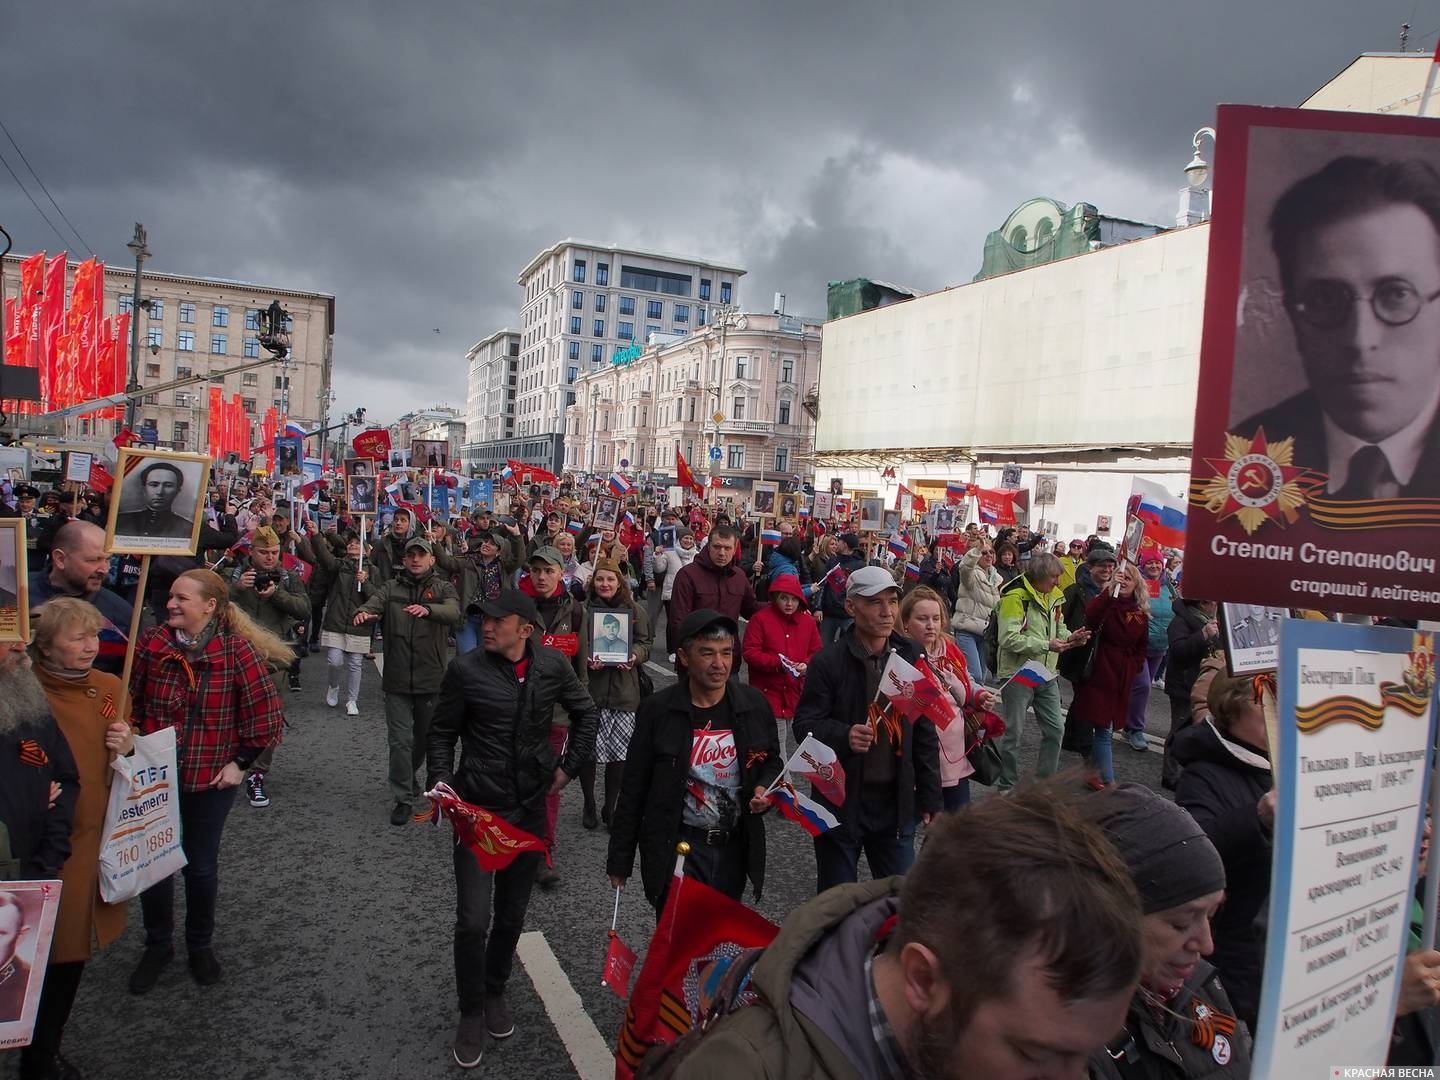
490, 626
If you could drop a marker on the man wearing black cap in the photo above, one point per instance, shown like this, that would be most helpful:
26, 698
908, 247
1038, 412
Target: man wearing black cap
500, 701
421, 609
703, 751
848, 558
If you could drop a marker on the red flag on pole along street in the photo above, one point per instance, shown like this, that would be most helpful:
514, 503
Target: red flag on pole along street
493, 841
14, 336
52, 321
685, 477
32, 284
700, 932
372, 444
216, 414
80, 356
119, 370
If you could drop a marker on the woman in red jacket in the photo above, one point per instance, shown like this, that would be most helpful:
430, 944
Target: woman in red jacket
785, 628
1120, 626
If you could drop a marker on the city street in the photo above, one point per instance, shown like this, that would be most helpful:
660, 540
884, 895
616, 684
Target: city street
335, 932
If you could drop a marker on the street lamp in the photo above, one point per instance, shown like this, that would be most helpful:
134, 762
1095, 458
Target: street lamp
1194, 196
1198, 171
141, 251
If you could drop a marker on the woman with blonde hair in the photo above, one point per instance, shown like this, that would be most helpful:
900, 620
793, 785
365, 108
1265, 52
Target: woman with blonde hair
1119, 621
205, 672
86, 707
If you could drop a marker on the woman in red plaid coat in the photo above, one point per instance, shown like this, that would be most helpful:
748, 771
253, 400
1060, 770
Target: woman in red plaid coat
205, 672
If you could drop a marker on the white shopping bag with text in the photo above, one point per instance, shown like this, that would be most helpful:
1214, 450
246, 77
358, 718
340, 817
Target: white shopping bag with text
142, 823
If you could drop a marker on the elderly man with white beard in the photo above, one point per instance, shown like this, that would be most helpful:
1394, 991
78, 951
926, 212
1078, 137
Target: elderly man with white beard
38, 779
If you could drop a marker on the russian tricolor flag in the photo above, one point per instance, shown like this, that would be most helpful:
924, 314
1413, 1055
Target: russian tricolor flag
912, 571
1162, 512
771, 536
618, 484
898, 545
507, 474
574, 528
803, 810
1032, 673
292, 428
954, 491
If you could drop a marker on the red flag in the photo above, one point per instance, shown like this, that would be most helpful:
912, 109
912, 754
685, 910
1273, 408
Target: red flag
619, 963
699, 932
125, 437
528, 474
14, 335
79, 326
119, 362
100, 478
494, 841
685, 476
32, 283
372, 444
52, 322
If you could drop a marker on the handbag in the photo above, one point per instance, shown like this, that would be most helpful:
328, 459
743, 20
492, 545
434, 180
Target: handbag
983, 755
141, 832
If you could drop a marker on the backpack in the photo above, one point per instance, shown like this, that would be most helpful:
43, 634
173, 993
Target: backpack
990, 639
732, 993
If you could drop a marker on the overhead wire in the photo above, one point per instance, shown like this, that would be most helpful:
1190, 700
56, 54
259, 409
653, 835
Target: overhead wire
38, 210
46, 190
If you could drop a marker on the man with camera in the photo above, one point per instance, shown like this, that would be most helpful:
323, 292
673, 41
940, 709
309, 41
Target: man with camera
276, 599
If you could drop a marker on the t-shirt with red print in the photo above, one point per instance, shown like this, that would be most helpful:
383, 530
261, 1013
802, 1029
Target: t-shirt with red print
712, 785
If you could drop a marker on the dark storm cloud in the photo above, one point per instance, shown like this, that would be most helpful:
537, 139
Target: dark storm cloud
411, 159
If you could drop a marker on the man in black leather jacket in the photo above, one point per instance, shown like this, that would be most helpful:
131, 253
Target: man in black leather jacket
499, 701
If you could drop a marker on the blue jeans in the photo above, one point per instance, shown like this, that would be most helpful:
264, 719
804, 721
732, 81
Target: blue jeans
202, 821
467, 638
956, 796
970, 645
889, 846
1101, 757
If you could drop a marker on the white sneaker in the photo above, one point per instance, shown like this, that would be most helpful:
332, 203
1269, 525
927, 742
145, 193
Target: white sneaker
351, 709
332, 696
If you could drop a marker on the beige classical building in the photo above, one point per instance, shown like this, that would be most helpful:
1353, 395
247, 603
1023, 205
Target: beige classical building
436, 422
581, 304
492, 367
193, 326
752, 371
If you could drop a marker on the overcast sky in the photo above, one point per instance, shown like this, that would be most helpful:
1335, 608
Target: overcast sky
411, 159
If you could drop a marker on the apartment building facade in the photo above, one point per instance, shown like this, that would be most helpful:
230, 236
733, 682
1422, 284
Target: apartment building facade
196, 326
491, 374
737, 385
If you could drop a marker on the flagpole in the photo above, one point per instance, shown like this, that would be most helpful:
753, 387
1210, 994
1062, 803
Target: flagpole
1430, 80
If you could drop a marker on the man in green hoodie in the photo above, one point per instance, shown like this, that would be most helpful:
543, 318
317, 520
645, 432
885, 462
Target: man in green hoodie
421, 609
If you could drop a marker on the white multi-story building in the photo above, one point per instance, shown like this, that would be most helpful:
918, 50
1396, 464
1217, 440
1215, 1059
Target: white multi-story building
491, 367
436, 422
582, 303
751, 371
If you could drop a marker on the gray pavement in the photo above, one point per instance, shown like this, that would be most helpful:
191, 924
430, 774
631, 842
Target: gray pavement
335, 930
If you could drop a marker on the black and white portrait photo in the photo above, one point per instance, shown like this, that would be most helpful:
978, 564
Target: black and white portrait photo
429, 454
14, 582
1251, 637
609, 637
837, 486
158, 509
872, 514
789, 507
945, 519
360, 493
399, 459
359, 467
763, 495
27, 923
607, 512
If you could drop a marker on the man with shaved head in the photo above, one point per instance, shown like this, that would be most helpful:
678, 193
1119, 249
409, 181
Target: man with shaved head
78, 567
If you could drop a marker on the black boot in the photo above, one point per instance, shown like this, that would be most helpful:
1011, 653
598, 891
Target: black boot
587, 788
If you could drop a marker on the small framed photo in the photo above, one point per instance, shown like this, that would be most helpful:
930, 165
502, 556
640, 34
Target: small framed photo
610, 637
429, 454
763, 494
159, 508
872, 514
1251, 636
891, 521
77, 466
607, 512
27, 923
14, 581
399, 459
789, 507
1102, 525
360, 466
668, 536
837, 486
360, 493
945, 519
824, 506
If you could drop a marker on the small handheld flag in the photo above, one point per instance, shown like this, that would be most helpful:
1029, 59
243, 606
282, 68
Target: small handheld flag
813, 760
803, 810
771, 536
1032, 673
618, 484
898, 545
574, 528
912, 572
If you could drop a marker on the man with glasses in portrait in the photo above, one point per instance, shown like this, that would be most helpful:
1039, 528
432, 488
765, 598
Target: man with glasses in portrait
1358, 245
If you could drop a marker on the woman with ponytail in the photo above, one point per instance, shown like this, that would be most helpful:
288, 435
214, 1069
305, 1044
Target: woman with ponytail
205, 672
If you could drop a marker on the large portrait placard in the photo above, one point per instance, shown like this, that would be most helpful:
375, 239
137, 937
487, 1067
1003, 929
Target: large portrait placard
14, 582
159, 501
27, 924
1315, 476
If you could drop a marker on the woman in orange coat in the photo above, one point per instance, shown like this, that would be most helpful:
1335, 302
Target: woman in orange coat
86, 705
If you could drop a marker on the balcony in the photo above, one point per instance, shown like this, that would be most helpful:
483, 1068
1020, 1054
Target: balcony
747, 427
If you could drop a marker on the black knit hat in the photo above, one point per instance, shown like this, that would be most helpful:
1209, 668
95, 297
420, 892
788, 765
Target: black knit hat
1170, 858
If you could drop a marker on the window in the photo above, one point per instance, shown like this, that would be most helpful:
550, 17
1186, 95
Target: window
782, 459
187, 312
576, 322
597, 353
682, 312
572, 373
570, 394
700, 316
737, 410
692, 410
217, 344
577, 300
281, 382
735, 459
574, 350
599, 301
220, 317
599, 328
784, 412
251, 347
741, 366
151, 399
704, 288
185, 341
625, 330
277, 403
654, 309
579, 274
157, 309
182, 372
183, 400
126, 305
632, 277
252, 319
250, 378
627, 305
602, 273
182, 427
724, 292
248, 404
152, 371
632, 415
787, 370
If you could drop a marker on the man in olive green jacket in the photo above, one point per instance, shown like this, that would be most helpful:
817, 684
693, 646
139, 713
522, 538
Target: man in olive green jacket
421, 609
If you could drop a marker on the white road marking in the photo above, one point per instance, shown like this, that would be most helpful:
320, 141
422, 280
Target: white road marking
380, 663
658, 670
589, 1053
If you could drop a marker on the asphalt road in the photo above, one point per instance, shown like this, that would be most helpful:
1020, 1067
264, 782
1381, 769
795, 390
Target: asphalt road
335, 931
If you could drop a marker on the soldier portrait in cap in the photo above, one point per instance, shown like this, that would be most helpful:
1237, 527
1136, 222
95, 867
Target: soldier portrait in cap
14, 581
607, 513
610, 637
159, 508
360, 494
